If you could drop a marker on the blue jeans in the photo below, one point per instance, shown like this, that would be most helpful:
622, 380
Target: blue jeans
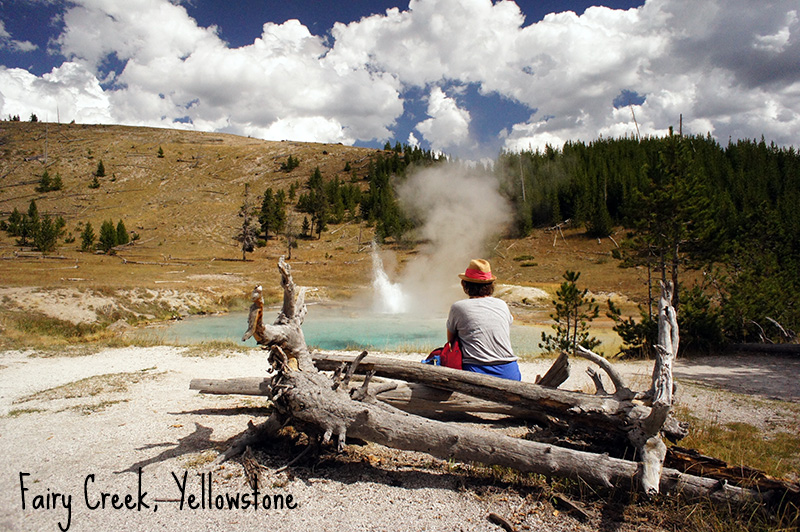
509, 370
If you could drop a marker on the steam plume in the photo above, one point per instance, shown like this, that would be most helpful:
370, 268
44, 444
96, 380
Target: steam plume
460, 210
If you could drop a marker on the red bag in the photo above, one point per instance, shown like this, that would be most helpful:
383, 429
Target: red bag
449, 355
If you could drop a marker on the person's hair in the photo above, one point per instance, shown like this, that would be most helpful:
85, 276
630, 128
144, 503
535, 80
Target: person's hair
478, 289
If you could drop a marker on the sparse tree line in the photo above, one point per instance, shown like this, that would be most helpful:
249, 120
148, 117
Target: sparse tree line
16, 118
110, 236
41, 231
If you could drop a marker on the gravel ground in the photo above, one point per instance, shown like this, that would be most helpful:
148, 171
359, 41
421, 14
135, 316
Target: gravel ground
123, 421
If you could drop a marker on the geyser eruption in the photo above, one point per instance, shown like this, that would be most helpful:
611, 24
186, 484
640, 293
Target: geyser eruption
458, 212
388, 296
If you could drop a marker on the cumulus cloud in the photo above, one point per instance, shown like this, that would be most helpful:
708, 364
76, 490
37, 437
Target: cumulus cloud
448, 125
729, 67
68, 92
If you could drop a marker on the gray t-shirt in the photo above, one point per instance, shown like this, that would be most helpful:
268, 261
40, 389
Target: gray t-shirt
483, 325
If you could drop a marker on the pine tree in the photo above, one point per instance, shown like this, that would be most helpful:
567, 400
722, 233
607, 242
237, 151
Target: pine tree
267, 215
47, 233
56, 183
28, 225
101, 170
44, 182
574, 311
122, 234
87, 237
306, 228
14, 221
160, 154
108, 236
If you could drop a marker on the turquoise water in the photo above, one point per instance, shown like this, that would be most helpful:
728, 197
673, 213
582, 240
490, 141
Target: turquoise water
338, 329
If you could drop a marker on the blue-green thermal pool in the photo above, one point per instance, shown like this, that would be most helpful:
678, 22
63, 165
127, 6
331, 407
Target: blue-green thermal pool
339, 329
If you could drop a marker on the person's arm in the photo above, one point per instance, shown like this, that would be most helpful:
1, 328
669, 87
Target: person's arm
451, 336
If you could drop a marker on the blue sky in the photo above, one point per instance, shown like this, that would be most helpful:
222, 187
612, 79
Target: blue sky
467, 77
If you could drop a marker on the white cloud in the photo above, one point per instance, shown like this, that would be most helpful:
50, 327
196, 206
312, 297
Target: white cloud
67, 93
729, 67
280, 86
12, 44
448, 125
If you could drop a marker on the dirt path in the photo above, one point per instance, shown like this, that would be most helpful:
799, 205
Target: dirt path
108, 414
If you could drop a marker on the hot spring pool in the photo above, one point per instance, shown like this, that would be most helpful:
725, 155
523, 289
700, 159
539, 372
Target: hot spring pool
340, 329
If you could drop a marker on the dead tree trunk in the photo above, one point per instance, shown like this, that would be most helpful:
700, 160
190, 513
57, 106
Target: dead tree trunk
647, 435
326, 407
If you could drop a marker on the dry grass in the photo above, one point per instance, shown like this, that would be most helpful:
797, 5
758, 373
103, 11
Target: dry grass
91, 386
776, 452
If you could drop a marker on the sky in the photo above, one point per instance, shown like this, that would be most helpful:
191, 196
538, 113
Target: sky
465, 77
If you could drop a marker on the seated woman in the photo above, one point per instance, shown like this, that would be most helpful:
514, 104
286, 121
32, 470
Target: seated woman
482, 324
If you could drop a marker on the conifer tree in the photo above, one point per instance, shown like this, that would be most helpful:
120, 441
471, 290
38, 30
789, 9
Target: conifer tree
87, 237
101, 170
44, 182
122, 234
28, 225
108, 236
47, 233
573, 312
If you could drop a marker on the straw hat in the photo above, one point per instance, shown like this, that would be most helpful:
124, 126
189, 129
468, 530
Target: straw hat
479, 271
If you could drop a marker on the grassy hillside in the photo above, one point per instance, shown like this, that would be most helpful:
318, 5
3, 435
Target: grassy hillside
183, 205
184, 208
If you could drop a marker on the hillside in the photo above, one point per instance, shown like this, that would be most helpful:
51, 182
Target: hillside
184, 206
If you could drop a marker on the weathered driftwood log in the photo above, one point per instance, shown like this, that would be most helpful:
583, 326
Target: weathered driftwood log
407, 396
236, 386
604, 417
325, 407
695, 463
621, 390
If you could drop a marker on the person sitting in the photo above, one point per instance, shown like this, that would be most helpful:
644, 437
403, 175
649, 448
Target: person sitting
482, 325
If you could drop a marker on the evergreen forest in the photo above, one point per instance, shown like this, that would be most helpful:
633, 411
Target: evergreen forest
685, 203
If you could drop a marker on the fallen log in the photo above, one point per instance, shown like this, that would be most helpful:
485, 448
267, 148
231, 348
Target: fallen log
693, 462
308, 399
236, 386
408, 397
605, 417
